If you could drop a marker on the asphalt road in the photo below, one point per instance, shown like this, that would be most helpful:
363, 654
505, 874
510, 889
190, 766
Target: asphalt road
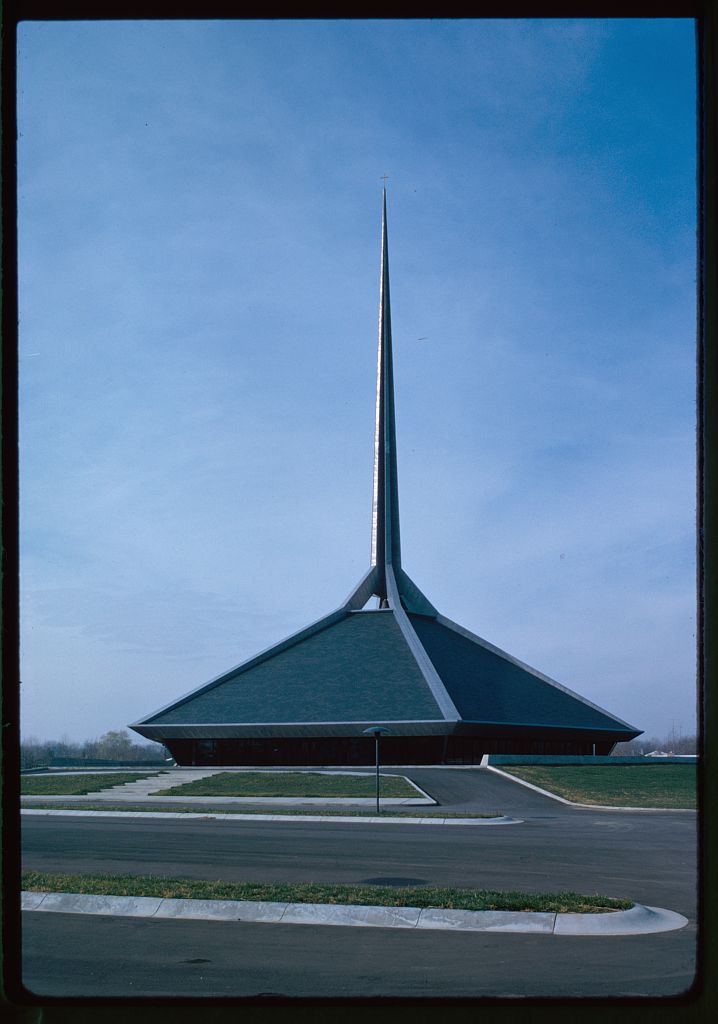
648, 857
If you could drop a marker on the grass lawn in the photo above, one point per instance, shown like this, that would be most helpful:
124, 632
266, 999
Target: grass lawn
75, 785
292, 784
313, 892
621, 785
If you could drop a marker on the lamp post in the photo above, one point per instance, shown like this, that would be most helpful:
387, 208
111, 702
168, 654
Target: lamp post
376, 731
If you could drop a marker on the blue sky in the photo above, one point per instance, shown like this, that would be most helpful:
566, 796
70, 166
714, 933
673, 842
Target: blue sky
199, 230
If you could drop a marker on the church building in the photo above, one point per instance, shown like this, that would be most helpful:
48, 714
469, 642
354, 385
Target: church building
384, 657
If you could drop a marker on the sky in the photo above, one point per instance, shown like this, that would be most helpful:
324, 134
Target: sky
199, 240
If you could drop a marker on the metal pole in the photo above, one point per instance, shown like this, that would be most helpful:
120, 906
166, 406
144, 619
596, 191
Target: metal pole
376, 737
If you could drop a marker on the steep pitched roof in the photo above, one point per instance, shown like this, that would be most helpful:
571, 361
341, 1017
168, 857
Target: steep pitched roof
358, 669
489, 686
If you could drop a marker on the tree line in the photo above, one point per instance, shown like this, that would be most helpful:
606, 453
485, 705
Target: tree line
671, 744
115, 745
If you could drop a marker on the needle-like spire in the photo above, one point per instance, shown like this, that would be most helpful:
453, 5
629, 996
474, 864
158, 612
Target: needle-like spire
385, 547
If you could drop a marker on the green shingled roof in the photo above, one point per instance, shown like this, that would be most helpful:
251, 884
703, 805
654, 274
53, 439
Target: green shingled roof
487, 687
359, 669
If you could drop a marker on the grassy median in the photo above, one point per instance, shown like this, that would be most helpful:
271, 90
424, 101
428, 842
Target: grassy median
293, 784
315, 892
76, 785
206, 809
620, 785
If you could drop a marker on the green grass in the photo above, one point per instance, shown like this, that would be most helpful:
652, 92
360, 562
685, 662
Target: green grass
76, 785
297, 784
357, 812
621, 785
314, 892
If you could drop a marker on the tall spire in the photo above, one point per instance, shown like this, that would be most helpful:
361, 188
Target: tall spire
385, 545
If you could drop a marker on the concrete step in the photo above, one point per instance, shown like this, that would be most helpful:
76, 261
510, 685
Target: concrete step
145, 787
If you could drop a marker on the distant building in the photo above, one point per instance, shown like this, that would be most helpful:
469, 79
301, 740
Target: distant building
446, 695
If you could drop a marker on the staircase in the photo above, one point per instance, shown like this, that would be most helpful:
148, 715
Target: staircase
147, 786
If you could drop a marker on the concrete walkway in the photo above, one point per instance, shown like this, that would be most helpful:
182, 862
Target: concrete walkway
152, 784
640, 920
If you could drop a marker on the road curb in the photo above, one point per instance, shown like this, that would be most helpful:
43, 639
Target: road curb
640, 920
222, 801
354, 819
